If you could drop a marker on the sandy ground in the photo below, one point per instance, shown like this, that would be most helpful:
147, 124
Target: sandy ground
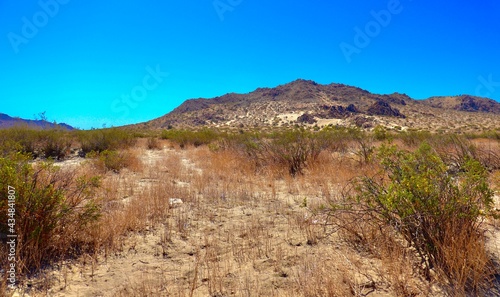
255, 245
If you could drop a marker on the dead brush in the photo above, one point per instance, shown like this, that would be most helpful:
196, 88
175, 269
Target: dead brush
464, 260
456, 150
153, 143
308, 224
128, 211
398, 265
147, 286
285, 152
182, 223
358, 228
225, 164
312, 278
171, 167
216, 266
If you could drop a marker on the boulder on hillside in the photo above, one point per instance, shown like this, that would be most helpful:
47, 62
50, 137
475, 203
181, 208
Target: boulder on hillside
337, 111
306, 118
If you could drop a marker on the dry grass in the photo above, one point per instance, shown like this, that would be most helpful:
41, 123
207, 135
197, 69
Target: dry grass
242, 230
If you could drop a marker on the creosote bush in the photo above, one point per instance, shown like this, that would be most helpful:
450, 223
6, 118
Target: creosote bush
51, 143
55, 143
438, 213
52, 209
19, 139
414, 138
187, 137
293, 149
105, 139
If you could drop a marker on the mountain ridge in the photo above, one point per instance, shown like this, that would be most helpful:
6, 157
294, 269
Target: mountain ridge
6, 121
305, 102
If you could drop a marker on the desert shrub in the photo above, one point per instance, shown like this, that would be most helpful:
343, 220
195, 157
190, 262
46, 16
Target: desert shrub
187, 137
364, 147
490, 134
105, 139
153, 143
115, 161
380, 133
437, 213
50, 143
9, 146
456, 150
292, 150
20, 139
54, 143
414, 138
337, 138
289, 150
52, 209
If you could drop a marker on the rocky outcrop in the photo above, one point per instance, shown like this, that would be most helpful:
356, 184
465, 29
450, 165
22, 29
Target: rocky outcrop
383, 108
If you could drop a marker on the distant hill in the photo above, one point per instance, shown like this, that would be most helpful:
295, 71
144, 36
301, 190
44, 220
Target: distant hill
465, 103
7, 121
305, 102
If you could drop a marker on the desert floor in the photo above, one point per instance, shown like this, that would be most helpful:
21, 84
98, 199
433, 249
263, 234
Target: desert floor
191, 222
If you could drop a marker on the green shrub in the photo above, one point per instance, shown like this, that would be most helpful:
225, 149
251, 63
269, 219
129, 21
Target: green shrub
20, 139
337, 138
438, 213
365, 148
54, 143
52, 209
490, 134
380, 133
187, 137
105, 139
414, 138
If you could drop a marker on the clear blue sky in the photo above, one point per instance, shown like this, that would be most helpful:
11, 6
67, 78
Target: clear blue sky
89, 63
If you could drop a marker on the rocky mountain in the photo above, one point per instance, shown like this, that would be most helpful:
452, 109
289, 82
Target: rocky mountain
465, 103
305, 102
7, 121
